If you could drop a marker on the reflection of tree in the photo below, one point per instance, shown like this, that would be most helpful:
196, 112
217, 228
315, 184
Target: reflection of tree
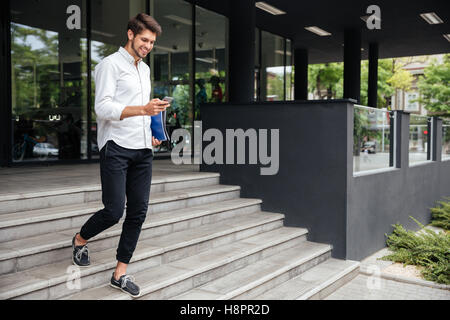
180, 105
31, 66
275, 84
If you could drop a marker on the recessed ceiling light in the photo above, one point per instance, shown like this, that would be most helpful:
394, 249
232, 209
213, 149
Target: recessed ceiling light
180, 19
364, 18
447, 36
282, 52
431, 18
268, 8
207, 60
157, 46
318, 31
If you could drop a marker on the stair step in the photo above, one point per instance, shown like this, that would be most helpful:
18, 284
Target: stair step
176, 277
23, 224
161, 249
250, 281
316, 283
23, 254
16, 202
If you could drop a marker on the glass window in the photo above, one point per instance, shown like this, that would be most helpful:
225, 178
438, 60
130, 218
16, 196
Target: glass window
257, 93
289, 72
171, 64
272, 67
419, 138
48, 79
446, 139
411, 103
210, 58
109, 19
371, 139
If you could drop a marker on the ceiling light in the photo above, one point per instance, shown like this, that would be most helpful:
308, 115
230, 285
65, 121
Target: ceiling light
365, 18
431, 18
282, 52
268, 8
447, 36
168, 49
318, 31
207, 60
181, 20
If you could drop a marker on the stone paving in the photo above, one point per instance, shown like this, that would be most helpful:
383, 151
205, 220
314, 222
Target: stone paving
50, 177
365, 287
374, 284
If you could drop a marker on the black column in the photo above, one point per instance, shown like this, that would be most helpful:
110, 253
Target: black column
301, 74
242, 51
373, 76
352, 64
5, 86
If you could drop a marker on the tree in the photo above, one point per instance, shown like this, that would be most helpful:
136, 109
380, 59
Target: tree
329, 77
385, 90
434, 87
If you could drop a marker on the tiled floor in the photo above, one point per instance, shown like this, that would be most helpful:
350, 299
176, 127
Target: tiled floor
365, 287
38, 178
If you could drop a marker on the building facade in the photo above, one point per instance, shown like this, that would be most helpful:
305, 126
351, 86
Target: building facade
52, 47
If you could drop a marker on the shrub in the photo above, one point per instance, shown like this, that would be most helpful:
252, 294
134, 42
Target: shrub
440, 215
428, 249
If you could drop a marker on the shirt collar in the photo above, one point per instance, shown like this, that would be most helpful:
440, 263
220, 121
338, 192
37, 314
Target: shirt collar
127, 55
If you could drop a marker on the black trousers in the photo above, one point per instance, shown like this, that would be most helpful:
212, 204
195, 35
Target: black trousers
123, 172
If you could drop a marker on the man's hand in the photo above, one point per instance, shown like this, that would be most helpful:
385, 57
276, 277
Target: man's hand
155, 106
155, 142
152, 108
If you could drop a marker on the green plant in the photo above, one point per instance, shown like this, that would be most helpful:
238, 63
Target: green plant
428, 249
440, 215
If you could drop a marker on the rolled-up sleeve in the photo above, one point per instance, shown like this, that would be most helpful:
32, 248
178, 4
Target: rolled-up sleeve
105, 89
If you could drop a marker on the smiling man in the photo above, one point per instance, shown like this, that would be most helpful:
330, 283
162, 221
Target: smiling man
124, 110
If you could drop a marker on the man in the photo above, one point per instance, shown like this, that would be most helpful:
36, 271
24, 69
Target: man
122, 82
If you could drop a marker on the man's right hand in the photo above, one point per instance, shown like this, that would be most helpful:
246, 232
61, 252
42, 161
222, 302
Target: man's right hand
155, 106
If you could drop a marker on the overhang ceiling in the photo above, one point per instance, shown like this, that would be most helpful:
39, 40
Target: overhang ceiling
403, 32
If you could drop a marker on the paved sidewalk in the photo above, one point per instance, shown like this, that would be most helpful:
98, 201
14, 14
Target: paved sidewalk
365, 287
374, 284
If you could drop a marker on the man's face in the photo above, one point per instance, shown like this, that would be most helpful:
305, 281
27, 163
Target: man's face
142, 43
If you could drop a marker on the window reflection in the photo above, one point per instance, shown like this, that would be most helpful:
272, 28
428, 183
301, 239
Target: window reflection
171, 65
108, 32
210, 59
48, 82
272, 67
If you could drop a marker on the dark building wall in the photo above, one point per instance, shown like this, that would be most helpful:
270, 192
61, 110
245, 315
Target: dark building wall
310, 186
379, 200
315, 187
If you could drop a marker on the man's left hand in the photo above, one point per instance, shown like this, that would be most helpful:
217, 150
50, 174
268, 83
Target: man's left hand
155, 142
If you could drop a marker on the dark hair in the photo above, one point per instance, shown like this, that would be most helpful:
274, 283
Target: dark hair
144, 21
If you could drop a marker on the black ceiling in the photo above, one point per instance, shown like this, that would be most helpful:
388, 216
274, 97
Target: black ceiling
403, 32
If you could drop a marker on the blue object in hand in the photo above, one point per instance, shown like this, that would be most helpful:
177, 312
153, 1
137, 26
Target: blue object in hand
158, 126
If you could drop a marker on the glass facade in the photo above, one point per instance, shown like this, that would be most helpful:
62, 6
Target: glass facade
55, 46
108, 33
48, 80
274, 67
171, 65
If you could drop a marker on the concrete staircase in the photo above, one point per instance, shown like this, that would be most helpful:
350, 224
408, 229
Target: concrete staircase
200, 241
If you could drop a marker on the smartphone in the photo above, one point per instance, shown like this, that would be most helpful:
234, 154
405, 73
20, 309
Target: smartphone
168, 99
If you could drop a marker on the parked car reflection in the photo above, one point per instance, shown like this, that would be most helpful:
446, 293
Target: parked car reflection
370, 146
45, 149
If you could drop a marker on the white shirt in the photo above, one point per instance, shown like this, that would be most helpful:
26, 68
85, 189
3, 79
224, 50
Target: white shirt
119, 83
